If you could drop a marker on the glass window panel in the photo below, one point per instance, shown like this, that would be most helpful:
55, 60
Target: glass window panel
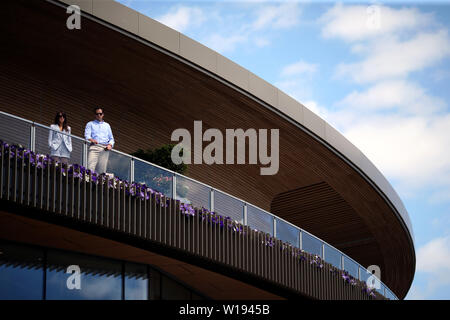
42, 146
288, 233
381, 289
21, 272
119, 165
72, 276
333, 256
228, 206
136, 282
390, 295
365, 275
153, 177
194, 193
171, 290
311, 244
259, 220
14, 131
351, 266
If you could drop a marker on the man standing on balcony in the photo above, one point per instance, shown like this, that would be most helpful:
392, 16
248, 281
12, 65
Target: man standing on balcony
99, 133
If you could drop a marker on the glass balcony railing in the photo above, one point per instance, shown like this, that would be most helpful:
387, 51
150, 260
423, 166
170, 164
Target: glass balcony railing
312, 244
287, 232
34, 136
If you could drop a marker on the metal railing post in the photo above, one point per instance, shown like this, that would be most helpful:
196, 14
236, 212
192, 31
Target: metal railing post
245, 214
275, 228
84, 158
174, 187
132, 170
211, 200
300, 239
33, 138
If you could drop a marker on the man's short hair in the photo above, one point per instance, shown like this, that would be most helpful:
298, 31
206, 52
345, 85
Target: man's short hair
101, 108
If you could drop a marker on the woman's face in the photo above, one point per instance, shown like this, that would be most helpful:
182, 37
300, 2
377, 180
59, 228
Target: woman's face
61, 119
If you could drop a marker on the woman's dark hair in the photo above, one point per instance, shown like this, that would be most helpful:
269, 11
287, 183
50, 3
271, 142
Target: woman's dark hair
65, 119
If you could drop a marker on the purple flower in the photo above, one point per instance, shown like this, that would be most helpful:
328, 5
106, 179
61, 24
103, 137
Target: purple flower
345, 276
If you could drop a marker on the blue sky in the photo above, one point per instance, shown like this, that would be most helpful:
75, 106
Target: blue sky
379, 72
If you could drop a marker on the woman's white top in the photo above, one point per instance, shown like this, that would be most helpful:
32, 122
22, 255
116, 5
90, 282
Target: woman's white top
60, 144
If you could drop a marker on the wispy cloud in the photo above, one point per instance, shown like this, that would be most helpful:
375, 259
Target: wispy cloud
222, 43
401, 96
299, 68
392, 58
281, 16
225, 28
361, 22
433, 260
296, 79
389, 106
181, 18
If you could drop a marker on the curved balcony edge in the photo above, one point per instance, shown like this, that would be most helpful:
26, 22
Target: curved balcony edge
121, 208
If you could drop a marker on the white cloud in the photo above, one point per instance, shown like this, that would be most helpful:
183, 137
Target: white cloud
413, 150
358, 22
299, 89
285, 15
261, 41
251, 29
433, 259
181, 18
316, 108
228, 29
402, 130
434, 256
395, 42
392, 58
296, 79
222, 43
299, 68
395, 122
405, 96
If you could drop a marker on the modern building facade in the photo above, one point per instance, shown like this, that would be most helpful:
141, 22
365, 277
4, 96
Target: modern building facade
327, 198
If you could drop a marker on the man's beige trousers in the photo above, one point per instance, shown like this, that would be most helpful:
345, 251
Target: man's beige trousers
98, 158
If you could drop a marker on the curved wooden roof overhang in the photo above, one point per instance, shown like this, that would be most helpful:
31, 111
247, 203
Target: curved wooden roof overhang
148, 92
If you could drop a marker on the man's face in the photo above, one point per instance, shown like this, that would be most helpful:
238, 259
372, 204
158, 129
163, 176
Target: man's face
99, 114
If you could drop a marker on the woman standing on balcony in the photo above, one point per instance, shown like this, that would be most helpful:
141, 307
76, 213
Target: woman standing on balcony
59, 141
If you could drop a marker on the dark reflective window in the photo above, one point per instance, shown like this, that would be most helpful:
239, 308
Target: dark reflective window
136, 282
171, 290
76, 276
73, 276
155, 285
21, 272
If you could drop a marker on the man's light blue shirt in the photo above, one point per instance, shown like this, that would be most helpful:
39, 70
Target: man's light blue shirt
100, 131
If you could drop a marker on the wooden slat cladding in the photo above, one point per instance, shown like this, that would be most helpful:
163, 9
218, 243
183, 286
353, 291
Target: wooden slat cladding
147, 94
159, 220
